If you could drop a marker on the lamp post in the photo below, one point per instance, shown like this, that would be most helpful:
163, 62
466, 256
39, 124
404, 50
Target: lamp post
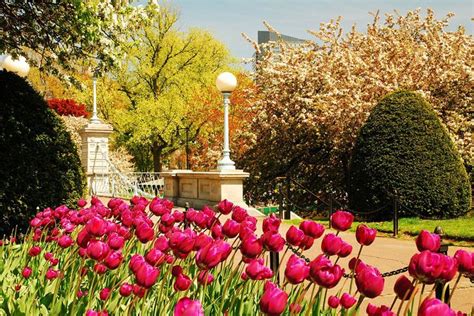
226, 83
18, 66
94, 119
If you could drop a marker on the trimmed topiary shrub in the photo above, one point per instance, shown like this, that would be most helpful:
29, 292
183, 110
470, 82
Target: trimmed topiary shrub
403, 148
39, 164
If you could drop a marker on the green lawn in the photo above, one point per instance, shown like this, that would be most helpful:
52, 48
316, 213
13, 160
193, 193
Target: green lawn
459, 229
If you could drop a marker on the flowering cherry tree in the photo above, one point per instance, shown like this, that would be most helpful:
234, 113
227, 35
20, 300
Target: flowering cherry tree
313, 98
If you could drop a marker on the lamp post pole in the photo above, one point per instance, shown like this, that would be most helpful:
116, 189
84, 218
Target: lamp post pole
187, 148
95, 119
226, 83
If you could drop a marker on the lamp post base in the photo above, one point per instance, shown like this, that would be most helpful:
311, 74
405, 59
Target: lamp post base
225, 164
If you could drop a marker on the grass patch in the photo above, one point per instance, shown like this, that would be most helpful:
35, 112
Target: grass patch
459, 229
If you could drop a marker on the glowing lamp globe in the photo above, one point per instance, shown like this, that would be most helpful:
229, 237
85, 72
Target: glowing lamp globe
226, 82
18, 66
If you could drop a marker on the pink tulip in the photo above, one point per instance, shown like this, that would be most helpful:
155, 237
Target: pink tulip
182, 283
333, 301
231, 228
383, 310
115, 241
345, 251
113, 260
126, 289
324, 272
271, 224
225, 207
273, 241
144, 232
297, 270
307, 243
273, 300
48, 256
205, 277
138, 290
256, 270
434, 307
465, 260
403, 288
161, 243
365, 235
97, 250
251, 247
331, 244
65, 241
83, 238
155, 257
369, 281
81, 203
182, 243
216, 231
202, 240
347, 300
342, 220
239, 214
294, 236
96, 226
26, 273
100, 268
146, 275
34, 251
188, 307
428, 267
52, 274
212, 254
104, 294
428, 241
312, 229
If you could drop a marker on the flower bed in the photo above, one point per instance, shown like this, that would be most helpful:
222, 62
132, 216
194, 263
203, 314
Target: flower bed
144, 258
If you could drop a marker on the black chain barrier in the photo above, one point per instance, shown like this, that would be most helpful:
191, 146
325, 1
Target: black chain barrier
385, 274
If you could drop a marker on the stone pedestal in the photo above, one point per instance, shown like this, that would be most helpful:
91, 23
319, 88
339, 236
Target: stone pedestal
205, 188
94, 155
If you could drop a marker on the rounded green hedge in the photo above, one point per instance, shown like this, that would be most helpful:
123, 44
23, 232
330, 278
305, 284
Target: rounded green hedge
404, 149
39, 163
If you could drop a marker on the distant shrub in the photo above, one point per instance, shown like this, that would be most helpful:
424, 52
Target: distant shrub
39, 163
403, 148
68, 107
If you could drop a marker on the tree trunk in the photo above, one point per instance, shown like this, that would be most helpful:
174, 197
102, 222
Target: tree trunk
157, 163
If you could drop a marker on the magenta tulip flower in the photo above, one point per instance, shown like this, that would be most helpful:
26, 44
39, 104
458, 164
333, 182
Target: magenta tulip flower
34, 251
26, 273
324, 272
182, 283
428, 267
81, 202
271, 224
104, 294
96, 226
65, 241
433, 306
97, 250
312, 229
347, 300
365, 235
369, 281
428, 241
126, 289
297, 270
205, 277
294, 236
113, 260
146, 275
273, 241
188, 307
256, 270
383, 310
239, 214
212, 254
231, 228
331, 244
341, 220
333, 301
403, 288
273, 300
251, 246
465, 261
225, 207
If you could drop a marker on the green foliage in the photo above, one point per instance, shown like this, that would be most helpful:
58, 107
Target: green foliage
167, 72
40, 166
403, 148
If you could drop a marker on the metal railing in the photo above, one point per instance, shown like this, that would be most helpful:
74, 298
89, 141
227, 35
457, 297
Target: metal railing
115, 183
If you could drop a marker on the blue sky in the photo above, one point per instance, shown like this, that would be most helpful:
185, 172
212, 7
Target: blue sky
226, 19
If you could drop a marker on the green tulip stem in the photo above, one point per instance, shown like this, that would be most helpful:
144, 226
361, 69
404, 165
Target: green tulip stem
421, 294
405, 296
226, 286
454, 288
356, 308
355, 266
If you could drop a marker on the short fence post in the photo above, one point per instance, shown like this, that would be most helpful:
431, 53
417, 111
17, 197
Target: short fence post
331, 210
275, 256
287, 214
395, 216
439, 284
186, 207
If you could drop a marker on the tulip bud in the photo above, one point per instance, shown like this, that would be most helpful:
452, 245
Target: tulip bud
52, 274
126, 289
65, 241
331, 244
403, 288
296, 270
34, 251
294, 236
256, 270
138, 290
100, 268
205, 278
81, 203
333, 301
182, 283
113, 260
271, 224
26, 272
251, 247
225, 207
231, 228
369, 281
347, 300
104, 294
96, 226
273, 241
312, 229
324, 272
